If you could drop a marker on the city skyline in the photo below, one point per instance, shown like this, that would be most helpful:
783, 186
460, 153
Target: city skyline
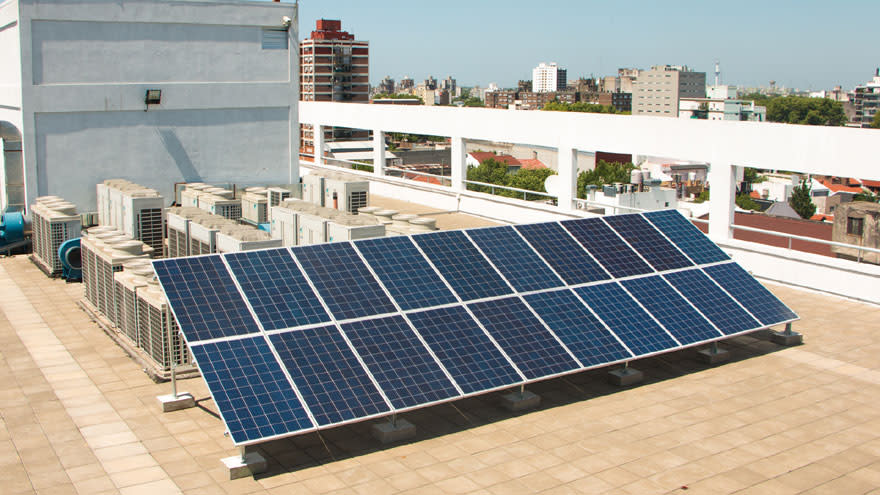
802, 45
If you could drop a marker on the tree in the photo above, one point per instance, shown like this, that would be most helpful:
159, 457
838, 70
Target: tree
801, 201
603, 173
875, 123
866, 196
803, 110
751, 176
473, 102
530, 179
490, 171
557, 106
745, 202
398, 96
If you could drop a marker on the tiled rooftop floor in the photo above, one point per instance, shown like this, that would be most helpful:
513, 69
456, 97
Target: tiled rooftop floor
79, 416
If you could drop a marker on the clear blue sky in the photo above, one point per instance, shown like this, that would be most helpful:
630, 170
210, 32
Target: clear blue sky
808, 44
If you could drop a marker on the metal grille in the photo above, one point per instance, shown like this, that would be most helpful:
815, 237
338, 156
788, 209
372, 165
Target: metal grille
230, 211
150, 228
129, 310
197, 247
357, 200
143, 318
116, 311
176, 243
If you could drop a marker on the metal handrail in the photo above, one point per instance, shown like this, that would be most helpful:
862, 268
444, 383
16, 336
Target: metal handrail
603, 205
515, 189
791, 237
443, 178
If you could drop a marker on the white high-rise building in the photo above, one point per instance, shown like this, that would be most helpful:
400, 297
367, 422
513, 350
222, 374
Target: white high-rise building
548, 78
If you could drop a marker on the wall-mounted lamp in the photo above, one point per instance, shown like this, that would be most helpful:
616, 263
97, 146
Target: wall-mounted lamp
152, 97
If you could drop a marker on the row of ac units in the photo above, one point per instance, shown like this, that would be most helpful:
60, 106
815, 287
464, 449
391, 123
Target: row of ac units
192, 231
211, 199
135, 210
53, 221
119, 282
335, 191
397, 223
301, 223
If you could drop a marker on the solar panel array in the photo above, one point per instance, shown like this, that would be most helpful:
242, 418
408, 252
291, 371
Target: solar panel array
293, 340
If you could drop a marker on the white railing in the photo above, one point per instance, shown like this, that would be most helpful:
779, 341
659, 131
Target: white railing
793, 237
524, 192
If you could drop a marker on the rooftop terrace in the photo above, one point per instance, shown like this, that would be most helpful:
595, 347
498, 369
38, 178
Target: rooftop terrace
79, 416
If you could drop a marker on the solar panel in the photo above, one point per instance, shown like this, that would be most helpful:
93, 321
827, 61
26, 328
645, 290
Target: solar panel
277, 290
626, 319
645, 239
343, 281
293, 340
333, 384
401, 364
251, 392
686, 236
565, 255
206, 302
723, 311
515, 259
751, 294
607, 247
522, 336
464, 349
462, 265
577, 328
405, 272
682, 320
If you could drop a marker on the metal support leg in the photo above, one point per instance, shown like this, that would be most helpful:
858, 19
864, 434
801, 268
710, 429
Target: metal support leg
174, 380
242, 451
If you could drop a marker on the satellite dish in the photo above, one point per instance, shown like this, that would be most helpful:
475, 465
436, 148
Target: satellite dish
551, 185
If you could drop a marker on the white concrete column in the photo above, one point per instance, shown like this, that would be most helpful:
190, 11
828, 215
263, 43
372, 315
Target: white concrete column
378, 152
458, 163
722, 192
566, 162
318, 139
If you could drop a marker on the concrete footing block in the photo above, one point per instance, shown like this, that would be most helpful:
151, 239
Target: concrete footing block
170, 403
389, 433
625, 377
252, 464
713, 356
515, 401
787, 338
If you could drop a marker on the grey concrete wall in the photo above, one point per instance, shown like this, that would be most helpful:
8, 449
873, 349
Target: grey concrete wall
99, 52
155, 149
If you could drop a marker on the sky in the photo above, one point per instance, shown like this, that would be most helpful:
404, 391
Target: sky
804, 44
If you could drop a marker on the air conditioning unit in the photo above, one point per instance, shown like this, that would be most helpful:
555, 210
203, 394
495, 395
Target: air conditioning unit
110, 260
254, 207
128, 283
245, 239
313, 188
156, 324
135, 210
352, 227
346, 195
311, 229
53, 221
178, 221
220, 205
88, 245
203, 234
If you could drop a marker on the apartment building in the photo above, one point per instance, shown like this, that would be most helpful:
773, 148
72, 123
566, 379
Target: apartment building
658, 91
549, 77
333, 67
866, 100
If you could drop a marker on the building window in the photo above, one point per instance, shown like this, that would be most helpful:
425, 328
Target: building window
276, 39
855, 226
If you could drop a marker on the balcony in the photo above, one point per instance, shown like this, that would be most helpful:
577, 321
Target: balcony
725, 145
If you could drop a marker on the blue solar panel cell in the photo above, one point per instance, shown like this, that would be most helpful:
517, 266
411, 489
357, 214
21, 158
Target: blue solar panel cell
464, 349
405, 272
626, 318
645, 239
251, 392
573, 323
757, 299
723, 311
462, 265
522, 336
204, 297
329, 377
276, 289
515, 259
661, 300
686, 236
607, 247
343, 280
562, 252
401, 364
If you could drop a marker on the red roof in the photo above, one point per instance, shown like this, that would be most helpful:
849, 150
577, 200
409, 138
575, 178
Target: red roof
755, 195
822, 218
532, 164
423, 178
840, 187
871, 183
482, 156
854, 182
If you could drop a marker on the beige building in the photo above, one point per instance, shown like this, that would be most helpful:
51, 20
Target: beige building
658, 91
857, 223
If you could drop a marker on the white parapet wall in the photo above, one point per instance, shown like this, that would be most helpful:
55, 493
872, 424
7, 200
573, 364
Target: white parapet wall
74, 78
